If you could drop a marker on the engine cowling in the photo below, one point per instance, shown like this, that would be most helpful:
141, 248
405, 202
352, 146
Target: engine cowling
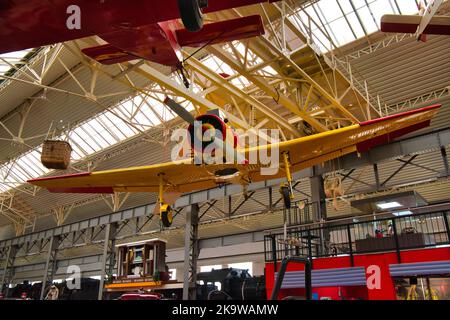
210, 128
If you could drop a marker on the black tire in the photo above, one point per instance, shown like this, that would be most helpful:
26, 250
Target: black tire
286, 194
167, 218
191, 14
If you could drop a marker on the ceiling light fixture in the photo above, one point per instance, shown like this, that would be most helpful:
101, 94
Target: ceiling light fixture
389, 205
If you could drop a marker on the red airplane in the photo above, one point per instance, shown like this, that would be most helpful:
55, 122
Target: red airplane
426, 22
133, 29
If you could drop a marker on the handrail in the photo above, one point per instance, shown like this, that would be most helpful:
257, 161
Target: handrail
394, 233
281, 273
333, 222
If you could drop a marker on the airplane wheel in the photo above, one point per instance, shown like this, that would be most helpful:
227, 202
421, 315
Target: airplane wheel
167, 217
285, 192
191, 14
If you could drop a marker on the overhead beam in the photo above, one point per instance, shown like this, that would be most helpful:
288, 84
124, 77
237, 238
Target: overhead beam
266, 87
166, 82
233, 90
310, 80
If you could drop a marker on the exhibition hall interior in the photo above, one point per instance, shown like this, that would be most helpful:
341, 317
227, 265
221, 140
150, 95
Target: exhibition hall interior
241, 150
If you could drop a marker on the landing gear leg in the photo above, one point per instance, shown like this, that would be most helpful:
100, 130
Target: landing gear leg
286, 188
165, 210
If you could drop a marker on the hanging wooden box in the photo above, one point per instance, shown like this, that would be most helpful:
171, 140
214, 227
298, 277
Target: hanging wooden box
56, 154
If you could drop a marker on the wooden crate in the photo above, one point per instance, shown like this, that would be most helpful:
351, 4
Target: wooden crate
56, 154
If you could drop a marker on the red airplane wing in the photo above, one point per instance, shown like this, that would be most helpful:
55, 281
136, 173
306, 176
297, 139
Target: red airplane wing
160, 42
217, 5
439, 25
223, 31
154, 42
108, 54
33, 23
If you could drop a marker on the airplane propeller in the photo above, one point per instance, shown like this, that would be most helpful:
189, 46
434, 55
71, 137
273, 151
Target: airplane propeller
179, 110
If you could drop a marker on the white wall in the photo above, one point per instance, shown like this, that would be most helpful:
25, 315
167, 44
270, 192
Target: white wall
224, 255
217, 255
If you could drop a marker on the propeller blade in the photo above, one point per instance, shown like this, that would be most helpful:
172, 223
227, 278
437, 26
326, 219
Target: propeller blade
179, 110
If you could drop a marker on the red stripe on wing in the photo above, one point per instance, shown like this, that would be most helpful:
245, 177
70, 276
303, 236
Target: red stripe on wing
386, 138
389, 137
65, 176
400, 115
82, 190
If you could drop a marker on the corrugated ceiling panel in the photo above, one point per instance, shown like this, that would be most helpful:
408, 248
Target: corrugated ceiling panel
406, 69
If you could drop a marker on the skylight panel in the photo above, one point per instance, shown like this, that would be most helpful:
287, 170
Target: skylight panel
343, 23
142, 120
367, 20
100, 139
77, 153
380, 8
358, 3
407, 7
125, 129
109, 126
356, 26
147, 115
27, 163
77, 137
341, 31
11, 58
330, 10
345, 5
17, 174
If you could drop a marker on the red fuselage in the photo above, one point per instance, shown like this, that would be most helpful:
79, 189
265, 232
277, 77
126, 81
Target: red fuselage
147, 29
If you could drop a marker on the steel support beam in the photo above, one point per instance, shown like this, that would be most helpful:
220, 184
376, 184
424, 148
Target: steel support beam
267, 88
445, 161
191, 252
318, 194
8, 270
163, 80
108, 257
50, 264
377, 176
310, 80
238, 93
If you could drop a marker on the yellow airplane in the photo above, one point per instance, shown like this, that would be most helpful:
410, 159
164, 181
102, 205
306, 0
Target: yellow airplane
187, 176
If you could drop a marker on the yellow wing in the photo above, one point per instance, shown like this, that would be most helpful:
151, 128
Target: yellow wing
184, 176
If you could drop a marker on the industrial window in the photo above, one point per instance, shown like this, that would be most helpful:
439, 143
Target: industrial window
209, 268
173, 274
